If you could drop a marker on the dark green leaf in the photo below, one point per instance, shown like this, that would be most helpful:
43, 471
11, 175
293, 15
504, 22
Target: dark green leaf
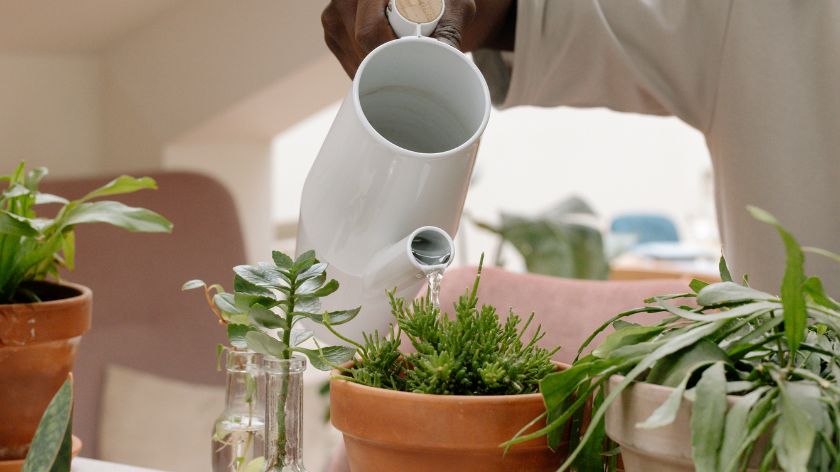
725, 275
304, 261
120, 185
708, 416
265, 344
49, 436
793, 295
15, 225
327, 289
327, 357
117, 214
814, 289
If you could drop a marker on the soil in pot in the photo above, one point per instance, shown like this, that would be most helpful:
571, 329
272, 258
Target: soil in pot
390, 430
38, 343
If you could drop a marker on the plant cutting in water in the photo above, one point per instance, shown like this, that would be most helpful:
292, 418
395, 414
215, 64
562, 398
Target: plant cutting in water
779, 356
33, 247
473, 353
262, 312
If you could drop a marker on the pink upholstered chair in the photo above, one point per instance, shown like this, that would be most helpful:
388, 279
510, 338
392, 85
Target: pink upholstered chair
568, 310
141, 319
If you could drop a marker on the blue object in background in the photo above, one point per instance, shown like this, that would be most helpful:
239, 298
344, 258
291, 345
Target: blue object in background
647, 227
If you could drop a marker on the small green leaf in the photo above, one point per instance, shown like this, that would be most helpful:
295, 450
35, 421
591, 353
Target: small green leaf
263, 275
304, 261
333, 317
327, 357
48, 198
281, 260
226, 303
266, 318
237, 335
708, 416
696, 285
725, 275
120, 185
193, 284
265, 344
68, 248
299, 336
119, 215
671, 370
326, 289
48, 440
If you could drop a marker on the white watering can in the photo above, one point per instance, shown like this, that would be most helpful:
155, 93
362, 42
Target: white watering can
385, 194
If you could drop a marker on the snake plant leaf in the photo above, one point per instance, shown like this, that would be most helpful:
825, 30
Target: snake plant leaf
326, 358
723, 267
264, 344
119, 215
121, 185
792, 291
708, 416
48, 448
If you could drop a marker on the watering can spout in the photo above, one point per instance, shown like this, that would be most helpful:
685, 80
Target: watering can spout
424, 250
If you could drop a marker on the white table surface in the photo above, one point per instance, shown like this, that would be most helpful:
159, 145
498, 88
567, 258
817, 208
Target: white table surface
83, 464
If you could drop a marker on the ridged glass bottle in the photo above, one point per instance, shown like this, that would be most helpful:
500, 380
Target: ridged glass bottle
284, 410
239, 431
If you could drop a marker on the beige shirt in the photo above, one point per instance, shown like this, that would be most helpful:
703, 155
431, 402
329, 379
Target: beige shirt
760, 79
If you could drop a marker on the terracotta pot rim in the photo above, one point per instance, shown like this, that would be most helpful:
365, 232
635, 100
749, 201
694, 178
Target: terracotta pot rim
83, 292
336, 376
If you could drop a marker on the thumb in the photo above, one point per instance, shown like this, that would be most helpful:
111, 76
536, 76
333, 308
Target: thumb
457, 16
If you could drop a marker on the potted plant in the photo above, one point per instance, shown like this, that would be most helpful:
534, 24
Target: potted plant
737, 380
465, 385
263, 314
41, 317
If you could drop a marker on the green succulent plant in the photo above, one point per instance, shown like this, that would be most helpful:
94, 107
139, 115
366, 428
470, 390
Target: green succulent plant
33, 247
472, 353
778, 355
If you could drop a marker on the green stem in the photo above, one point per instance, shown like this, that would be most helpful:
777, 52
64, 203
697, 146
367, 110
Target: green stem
280, 459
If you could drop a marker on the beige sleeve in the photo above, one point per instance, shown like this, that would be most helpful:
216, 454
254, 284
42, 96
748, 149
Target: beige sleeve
657, 57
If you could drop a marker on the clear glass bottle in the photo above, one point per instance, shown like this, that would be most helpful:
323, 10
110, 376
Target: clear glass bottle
239, 431
284, 411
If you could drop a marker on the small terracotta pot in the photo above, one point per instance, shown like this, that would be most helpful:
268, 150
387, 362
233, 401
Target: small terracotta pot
385, 430
665, 449
38, 343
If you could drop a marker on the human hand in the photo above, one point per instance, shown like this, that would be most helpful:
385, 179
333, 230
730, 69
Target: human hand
354, 28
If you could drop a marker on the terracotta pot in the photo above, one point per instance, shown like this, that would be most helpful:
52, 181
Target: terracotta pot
665, 449
386, 430
38, 343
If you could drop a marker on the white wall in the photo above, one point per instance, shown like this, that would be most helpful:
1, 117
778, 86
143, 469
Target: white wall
50, 112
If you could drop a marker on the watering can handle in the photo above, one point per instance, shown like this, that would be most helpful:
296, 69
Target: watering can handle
414, 17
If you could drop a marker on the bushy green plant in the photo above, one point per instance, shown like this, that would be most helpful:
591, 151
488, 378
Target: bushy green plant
473, 353
558, 242
33, 247
262, 313
779, 355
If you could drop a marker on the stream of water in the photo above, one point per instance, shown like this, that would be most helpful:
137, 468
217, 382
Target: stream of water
434, 278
